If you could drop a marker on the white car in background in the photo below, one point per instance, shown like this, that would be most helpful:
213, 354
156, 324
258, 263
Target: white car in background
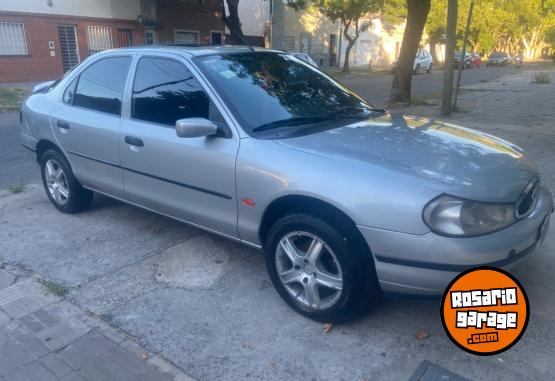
306, 58
422, 61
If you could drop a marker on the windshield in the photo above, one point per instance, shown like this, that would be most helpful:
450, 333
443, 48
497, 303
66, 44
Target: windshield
267, 91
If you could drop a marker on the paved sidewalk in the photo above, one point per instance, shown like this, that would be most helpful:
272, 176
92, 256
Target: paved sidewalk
43, 338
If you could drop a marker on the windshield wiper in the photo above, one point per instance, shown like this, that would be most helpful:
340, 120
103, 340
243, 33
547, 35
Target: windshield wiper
290, 122
355, 111
346, 112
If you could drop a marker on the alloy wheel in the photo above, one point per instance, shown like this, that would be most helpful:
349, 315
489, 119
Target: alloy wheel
56, 182
309, 270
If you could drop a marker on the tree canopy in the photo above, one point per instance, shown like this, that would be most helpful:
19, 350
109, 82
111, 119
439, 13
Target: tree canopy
526, 26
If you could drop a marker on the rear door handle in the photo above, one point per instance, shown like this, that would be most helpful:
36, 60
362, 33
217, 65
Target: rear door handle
62, 124
131, 140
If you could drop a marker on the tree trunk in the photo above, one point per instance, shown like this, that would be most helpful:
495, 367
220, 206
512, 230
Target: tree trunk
232, 21
463, 52
433, 51
346, 68
416, 19
451, 34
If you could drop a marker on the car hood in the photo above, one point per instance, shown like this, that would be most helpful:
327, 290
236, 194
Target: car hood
442, 156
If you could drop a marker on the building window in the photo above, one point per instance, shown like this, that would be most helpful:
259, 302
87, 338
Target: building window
216, 38
12, 39
150, 37
99, 38
186, 37
125, 37
289, 44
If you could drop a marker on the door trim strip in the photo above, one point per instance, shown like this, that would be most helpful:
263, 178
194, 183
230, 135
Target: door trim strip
203, 190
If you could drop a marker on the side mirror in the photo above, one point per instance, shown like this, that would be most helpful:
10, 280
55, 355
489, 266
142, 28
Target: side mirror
195, 128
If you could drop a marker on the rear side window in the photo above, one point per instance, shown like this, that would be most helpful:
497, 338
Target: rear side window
100, 86
166, 91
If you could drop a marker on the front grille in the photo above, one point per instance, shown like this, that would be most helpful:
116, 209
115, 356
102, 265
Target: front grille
528, 199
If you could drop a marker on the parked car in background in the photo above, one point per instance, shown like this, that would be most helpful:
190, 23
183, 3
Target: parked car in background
306, 58
476, 60
422, 61
498, 59
467, 61
344, 199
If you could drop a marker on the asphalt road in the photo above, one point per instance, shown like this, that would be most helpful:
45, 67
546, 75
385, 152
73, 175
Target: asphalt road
376, 87
17, 166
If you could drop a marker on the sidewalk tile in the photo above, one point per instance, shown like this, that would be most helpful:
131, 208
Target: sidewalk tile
63, 333
75, 376
30, 344
16, 352
38, 371
55, 365
18, 375
7, 365
70, 356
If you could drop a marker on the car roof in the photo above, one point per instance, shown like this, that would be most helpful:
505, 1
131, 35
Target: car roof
194, 50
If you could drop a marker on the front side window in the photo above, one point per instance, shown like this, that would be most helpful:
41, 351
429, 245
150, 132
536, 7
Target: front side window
69, 93
165, 91
266, 90
100, 86
12, 39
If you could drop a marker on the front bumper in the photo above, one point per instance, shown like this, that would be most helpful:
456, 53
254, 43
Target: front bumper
425, 264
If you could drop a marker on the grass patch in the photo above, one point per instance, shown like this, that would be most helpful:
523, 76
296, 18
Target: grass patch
541, 78
55, 288
11, 99
420, 101
16, 187
458, 108
430, 99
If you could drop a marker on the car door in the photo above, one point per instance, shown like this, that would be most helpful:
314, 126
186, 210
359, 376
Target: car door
86, 120
192, 179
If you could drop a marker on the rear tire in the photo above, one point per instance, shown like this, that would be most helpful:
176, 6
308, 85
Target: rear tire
318, 270
62, 188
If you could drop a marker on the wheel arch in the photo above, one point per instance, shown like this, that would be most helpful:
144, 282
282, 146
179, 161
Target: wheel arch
288, 204
44, 145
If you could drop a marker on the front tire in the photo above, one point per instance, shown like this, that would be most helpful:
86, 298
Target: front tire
417, 69
61, 186
321, 272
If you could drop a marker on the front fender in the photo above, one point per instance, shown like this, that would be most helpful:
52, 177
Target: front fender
267, 171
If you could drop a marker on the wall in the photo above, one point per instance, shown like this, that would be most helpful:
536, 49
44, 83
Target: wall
309, 32
173, 15
121, 9
39, 65
378, 45
254, 16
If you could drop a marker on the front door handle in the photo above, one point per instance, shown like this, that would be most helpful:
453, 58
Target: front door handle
131, 140
62, 124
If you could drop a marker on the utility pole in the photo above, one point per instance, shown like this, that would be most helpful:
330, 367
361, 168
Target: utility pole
450, 41
461, 64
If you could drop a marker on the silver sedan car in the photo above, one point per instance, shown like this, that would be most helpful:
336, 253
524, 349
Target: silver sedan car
346, 200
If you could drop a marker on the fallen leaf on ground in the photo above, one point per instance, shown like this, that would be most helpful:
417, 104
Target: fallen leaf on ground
422, 334
327, 327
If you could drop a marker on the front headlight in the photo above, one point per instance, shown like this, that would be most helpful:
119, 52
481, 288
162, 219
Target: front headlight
451, 216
